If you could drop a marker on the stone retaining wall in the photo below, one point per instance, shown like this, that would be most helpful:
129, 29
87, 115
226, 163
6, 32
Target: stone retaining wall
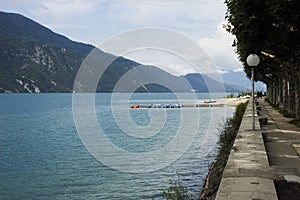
247, 174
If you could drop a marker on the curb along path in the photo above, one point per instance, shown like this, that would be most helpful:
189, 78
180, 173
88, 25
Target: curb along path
247, 174
260, 157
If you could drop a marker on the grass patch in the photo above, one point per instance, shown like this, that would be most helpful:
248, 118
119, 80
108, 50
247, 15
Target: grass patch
296, 122
285, 113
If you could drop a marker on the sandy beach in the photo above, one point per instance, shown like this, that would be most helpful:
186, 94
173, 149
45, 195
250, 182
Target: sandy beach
226, 101
191, 104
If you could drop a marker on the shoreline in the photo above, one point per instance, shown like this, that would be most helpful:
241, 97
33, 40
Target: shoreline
229, 101
221, 102
227, 138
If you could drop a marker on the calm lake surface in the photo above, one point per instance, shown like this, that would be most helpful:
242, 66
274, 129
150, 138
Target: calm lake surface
43, 157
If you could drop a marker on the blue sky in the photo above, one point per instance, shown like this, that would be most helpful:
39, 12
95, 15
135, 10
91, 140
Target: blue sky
95, 21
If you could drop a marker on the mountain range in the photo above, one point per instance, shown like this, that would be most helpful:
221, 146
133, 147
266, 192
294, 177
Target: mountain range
33, 58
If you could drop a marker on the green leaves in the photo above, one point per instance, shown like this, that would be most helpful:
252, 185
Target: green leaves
176, 191
269, 26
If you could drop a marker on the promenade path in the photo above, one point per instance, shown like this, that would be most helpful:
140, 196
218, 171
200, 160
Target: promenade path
282, 142
263, 164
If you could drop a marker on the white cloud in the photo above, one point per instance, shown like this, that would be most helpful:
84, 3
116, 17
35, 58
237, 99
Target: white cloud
160, 47
62, 9
195, 18
219, 47
193, 15
222, 71
240, 69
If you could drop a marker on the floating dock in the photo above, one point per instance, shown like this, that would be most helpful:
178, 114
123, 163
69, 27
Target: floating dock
177, 105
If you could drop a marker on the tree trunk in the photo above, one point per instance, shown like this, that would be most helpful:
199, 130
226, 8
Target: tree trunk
279, 92
274, 92
285, 94
297, 98
270, 91
292, 96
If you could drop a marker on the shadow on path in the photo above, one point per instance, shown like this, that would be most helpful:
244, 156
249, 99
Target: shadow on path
282, 142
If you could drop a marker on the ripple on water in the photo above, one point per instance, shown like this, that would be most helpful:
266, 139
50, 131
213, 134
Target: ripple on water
42, 156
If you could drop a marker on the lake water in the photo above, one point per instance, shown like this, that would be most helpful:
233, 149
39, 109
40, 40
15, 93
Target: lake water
43, 156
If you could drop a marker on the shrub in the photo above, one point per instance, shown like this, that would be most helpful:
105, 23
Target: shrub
231, 95
176, 191
240, 94
226, 140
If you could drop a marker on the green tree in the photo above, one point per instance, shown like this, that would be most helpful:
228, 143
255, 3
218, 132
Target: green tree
270, 29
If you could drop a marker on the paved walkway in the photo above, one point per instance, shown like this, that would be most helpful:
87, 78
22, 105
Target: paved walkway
282, 142
282, 139
260, 157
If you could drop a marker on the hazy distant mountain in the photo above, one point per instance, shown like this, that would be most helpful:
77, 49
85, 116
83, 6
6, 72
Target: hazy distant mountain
240, 80
35, 59
203, 83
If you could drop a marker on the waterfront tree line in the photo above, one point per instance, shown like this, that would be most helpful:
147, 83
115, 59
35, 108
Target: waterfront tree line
269, 29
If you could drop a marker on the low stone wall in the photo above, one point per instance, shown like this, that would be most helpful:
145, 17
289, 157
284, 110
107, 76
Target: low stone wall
247, 174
